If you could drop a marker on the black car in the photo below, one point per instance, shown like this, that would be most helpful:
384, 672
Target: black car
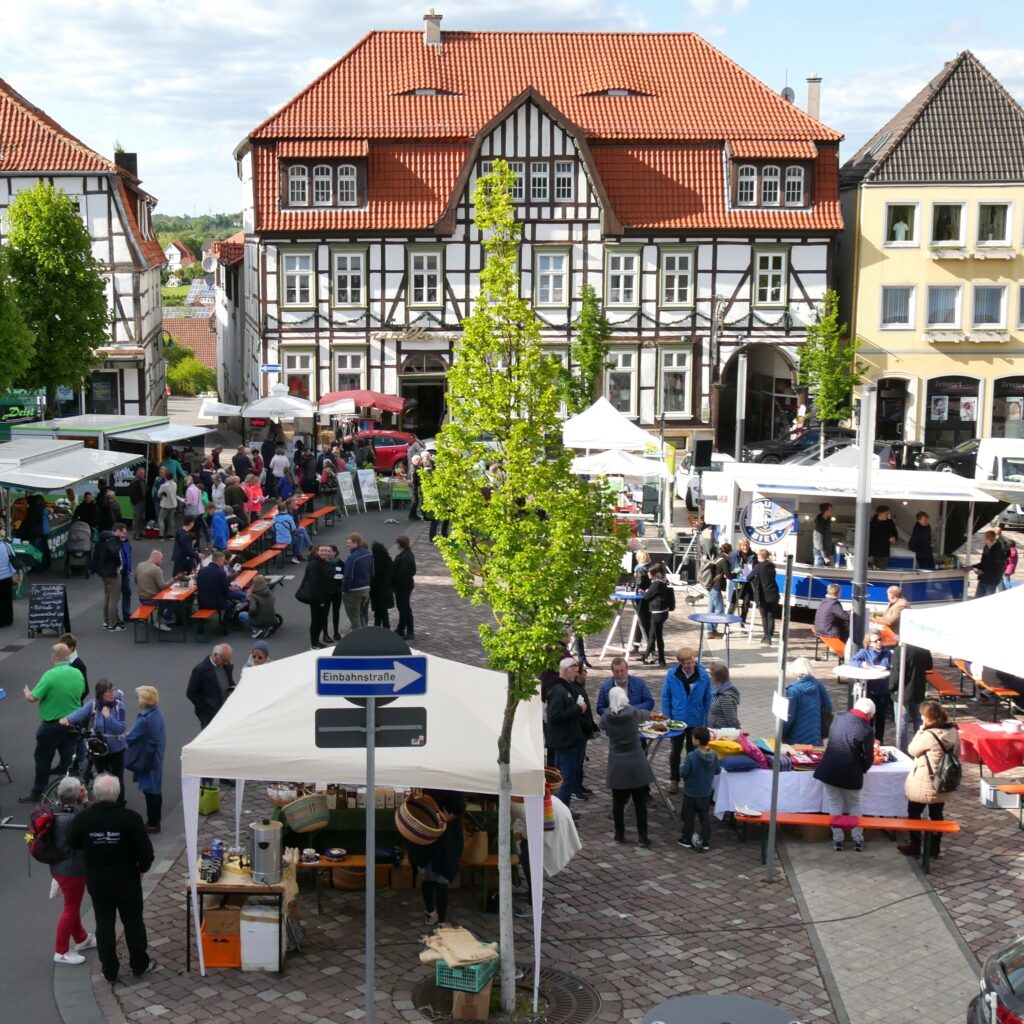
959, 460
1002, 988
780, 449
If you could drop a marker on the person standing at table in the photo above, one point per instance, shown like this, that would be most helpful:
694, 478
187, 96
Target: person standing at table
725, 700
807, 700
920, 541
897, 603
822, 543
936, 736
765, 592
167, 502
881, 533
658, 599
183, 555
720, 569
742, 561
848, 756
565, 729
277, 470
629, 772
874, 655
685, 697
637, 690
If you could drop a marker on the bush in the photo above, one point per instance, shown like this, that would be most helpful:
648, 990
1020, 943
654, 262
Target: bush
189, 377
174, 353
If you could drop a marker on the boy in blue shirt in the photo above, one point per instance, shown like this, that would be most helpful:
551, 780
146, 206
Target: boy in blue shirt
698, 775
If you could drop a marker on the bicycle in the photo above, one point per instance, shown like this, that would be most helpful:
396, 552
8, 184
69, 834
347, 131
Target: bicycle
81, 766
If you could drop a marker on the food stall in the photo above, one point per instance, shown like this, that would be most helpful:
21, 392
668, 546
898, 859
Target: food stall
775, 506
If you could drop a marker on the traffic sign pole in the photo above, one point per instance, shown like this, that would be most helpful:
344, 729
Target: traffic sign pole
371, 851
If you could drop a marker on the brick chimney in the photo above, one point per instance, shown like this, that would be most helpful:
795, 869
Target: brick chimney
128, 161
432, 29
814, 97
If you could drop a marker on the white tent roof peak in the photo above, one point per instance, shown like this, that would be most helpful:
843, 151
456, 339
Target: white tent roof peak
602, 427
620, 463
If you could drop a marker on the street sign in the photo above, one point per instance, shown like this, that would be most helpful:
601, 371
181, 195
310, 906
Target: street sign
270, 367
393, 727
380, 676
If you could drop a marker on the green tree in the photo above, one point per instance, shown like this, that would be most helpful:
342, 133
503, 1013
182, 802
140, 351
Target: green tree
17, 342
173, 352
589, 352
188, 376
829, 368
60, 288
536, 547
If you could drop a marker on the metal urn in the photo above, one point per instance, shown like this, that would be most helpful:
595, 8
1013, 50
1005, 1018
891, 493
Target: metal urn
265, 850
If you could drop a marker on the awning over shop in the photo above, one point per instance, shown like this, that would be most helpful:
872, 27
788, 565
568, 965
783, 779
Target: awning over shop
167, 434
64, 469
364, 400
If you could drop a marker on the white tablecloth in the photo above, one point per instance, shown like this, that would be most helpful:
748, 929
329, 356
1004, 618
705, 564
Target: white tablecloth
881, 796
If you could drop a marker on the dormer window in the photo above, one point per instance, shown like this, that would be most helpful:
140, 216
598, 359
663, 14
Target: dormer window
746, 192
794, 186
347, 185
334, 184
617, 91
298, 180
770, 185
322, 175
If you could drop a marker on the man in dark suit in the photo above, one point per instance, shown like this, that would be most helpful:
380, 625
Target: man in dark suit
213, 589
831, 618
210, 683
765, 589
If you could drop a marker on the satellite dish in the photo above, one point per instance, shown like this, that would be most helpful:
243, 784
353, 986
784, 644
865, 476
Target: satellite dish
788, 95
209, 264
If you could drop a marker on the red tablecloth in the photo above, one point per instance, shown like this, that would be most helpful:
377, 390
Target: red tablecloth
998, 751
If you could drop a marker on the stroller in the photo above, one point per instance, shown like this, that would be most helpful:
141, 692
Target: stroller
78, 553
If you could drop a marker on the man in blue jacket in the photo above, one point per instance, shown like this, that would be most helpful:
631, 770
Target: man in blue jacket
213, 590
355, 585
685, 697
636, 689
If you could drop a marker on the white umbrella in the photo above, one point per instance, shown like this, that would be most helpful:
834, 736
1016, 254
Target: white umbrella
343, 407
279, 405
212, 409
620, 463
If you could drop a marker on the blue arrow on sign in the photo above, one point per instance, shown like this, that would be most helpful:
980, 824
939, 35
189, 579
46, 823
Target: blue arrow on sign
386, 676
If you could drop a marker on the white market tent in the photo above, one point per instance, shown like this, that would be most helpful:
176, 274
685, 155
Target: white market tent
62, 464
266, 731
602, 427
279, 405
620, 463
211, 409
982, 630
342, 407
169, 433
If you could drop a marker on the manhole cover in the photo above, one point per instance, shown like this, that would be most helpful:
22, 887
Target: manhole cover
569, 1000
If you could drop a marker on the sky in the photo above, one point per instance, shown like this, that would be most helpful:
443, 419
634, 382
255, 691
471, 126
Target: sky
182, 84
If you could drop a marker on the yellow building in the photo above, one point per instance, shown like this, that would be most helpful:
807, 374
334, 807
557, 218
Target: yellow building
932, 261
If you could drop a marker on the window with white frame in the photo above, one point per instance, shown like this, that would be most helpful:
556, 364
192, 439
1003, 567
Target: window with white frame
347, 191
565, 176
298, 186
676, 381
425, 278
794, 186
621, 276
676, 278
770, 186
770, 278
348, 370
620, 380
901, 223
897, 306
323, 178
540, 177
298, 374
349, 278
297, 279
944, 306
550, 275
989, 306
518, 168
746, 189
947, 224
993, 223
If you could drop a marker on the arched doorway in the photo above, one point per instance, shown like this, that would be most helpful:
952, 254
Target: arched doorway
422, 385
771, 397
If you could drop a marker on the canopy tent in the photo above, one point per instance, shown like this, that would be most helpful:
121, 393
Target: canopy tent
169, 433
620, 463
211, 409
69, 464
602, 427
982, 630
364, 400
266, 730
342, 407
278, 405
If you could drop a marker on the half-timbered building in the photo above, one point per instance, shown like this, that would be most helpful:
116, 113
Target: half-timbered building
701, 206
118, 214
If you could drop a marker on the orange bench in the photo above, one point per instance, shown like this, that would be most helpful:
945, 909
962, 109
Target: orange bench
201, 616
943, 687
257, 560
142, 614
327, 512
870, 823
1017, 790
832, 643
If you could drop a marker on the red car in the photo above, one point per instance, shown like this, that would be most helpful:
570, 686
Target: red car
391, 447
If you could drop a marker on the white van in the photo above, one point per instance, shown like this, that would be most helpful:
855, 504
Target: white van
1002, 459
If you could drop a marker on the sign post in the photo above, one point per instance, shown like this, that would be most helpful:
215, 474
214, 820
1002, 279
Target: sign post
368, 666
780, 708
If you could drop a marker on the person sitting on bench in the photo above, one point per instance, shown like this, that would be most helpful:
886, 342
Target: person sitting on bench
287, 531
214, 591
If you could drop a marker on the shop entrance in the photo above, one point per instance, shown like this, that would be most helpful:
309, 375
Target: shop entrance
422, 385
1008, 407
952, 411
891, 411
771, 398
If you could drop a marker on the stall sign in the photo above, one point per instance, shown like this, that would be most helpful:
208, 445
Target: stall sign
394, 727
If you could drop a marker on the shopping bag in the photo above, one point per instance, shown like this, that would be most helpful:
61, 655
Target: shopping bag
209, 799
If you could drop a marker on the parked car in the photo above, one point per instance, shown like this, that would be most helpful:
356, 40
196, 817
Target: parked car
885, 452
960, 460
390, 447
1002, 988
781, 448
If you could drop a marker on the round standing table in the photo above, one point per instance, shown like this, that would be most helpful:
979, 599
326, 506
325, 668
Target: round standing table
856, 676
714, 619
626, 599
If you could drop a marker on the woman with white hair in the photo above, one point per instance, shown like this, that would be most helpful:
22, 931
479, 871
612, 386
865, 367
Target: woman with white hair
629, 774
810, 706
69, 874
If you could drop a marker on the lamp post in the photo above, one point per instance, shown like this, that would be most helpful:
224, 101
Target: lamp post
862, 515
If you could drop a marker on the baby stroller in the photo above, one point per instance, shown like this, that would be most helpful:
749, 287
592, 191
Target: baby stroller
78, 553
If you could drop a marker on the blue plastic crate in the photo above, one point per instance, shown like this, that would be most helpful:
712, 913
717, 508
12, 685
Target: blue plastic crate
470, 978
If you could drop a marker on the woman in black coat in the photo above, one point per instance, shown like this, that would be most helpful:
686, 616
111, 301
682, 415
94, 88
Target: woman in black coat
382, 596
659, 600
439, 862
316, 589
402, 573
765, 591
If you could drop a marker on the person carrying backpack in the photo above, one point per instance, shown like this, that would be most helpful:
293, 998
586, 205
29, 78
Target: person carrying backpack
660, 599
68, 871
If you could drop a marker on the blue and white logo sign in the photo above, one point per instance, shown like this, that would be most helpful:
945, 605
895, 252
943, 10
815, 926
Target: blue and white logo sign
384, 676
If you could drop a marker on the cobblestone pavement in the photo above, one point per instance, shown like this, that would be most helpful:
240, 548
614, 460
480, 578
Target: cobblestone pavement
641, 926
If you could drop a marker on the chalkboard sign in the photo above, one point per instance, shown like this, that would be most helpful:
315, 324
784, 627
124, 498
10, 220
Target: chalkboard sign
347, 490
48, 608
368, 487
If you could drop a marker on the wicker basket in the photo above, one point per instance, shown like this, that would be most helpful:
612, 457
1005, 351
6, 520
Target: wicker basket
419, 821
552, 777
307, 814
474, 848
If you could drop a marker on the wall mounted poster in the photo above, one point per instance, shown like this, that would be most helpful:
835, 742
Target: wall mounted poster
968, 410
940, 407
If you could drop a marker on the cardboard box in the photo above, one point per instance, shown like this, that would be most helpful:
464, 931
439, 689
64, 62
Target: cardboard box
222, 921
472, 1005
401, 877
991, 797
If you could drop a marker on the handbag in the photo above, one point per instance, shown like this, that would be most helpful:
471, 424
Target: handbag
209, 799
826, 721
947, 778
139, 758
303, 594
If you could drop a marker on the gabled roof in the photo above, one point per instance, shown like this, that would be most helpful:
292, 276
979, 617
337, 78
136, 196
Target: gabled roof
680, 87
229, 251
196, 333
187, 258
962, 127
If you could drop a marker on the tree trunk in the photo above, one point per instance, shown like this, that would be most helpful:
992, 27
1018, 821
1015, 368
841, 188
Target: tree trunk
821, 441
506, 938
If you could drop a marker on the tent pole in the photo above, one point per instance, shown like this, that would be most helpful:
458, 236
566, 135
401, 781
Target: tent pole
780, 690
967, 556
862, 518
371, 850
899, 700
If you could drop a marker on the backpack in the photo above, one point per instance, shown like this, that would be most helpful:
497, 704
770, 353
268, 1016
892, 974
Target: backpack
670, 600
42, 837
947, 778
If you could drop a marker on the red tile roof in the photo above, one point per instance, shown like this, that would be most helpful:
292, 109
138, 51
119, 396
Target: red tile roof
187, 258
196, 333
323, 148
771, 149
229, 250
152, 252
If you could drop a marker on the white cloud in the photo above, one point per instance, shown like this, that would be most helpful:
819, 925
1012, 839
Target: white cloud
718, 8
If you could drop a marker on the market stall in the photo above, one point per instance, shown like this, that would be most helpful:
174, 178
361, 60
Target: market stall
266, 731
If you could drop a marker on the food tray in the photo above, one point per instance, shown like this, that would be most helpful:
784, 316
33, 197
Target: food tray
470, 978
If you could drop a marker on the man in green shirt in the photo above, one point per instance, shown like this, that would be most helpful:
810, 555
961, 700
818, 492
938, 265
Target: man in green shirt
58, 693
